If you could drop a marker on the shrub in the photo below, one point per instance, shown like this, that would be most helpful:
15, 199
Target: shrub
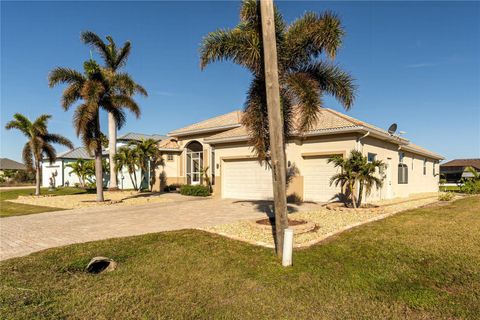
198, 191
172, 187
447, 196
23, 176
470, 186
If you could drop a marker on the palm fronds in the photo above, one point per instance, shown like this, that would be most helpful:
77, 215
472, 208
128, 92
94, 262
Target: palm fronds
39, 142
303, 77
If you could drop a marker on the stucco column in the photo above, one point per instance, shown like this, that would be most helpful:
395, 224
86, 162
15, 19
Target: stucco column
112, 150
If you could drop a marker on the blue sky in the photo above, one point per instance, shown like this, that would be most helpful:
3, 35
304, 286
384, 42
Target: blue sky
415, 63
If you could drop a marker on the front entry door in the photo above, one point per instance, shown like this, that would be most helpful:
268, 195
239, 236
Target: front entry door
196, 165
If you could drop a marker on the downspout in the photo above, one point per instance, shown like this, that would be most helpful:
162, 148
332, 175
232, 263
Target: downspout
359, 145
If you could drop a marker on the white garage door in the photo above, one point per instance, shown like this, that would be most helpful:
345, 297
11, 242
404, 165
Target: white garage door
246, 179
316, 179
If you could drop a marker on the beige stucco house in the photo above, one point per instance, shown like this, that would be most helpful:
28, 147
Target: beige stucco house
220, 145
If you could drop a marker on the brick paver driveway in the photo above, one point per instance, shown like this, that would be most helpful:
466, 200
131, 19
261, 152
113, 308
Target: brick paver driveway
23, 235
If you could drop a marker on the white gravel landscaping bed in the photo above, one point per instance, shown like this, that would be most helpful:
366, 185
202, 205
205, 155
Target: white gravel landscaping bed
328, 222
117, 198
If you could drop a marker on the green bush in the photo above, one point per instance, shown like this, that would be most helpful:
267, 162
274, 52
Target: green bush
471, 186
447, 196
198, 191
172, 187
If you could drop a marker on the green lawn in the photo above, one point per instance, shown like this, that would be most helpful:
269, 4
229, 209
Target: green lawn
8, 209
420, 264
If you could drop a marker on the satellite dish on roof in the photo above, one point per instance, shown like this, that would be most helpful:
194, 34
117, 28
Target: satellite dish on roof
392, 128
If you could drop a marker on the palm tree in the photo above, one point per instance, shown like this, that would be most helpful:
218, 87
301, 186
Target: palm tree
114, 59
39, 142
356, 170
85, 170
346, 178
95, 89
148, 158
367, 177
127, 157
81, 169
303, 77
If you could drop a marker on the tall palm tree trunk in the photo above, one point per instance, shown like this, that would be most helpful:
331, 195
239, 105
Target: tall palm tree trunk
37, 178
112, 150
98, 162
99, 173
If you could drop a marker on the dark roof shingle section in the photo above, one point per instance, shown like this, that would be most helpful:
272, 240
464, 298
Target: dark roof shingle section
463, 163
9, 164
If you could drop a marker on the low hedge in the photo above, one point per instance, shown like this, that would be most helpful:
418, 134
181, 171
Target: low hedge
198, 191
172, 187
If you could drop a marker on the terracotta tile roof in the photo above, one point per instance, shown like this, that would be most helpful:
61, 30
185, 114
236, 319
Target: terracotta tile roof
8, 164
168, 144
226, 120
463, 163
328, 121
415, 148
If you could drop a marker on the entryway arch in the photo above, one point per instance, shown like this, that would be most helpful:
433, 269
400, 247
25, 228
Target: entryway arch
194, 162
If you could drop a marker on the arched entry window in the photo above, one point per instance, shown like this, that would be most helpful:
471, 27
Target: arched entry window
194, 163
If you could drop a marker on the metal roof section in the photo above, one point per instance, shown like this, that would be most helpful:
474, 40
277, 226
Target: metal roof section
132, 136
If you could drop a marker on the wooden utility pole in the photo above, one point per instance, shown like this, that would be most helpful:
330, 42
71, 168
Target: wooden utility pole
275, 122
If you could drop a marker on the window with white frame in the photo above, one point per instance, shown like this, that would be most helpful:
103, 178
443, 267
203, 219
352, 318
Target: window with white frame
402, 169
402, 173
424, 166
371, 157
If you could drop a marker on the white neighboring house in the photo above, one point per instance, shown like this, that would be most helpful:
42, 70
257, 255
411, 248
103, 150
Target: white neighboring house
65, 177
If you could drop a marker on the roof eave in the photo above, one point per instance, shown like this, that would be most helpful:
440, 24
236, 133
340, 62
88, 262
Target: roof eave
170, 149
198, 131
423, 153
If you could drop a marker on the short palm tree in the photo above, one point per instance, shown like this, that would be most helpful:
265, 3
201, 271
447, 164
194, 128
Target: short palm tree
114, 58
346, 178
83, 169
79, 168
368, 177
126, 157
356, 170
96, 89
39, 142
303, 77
148, 158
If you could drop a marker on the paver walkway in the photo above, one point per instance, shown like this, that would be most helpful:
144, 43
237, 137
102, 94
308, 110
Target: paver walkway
22, 235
